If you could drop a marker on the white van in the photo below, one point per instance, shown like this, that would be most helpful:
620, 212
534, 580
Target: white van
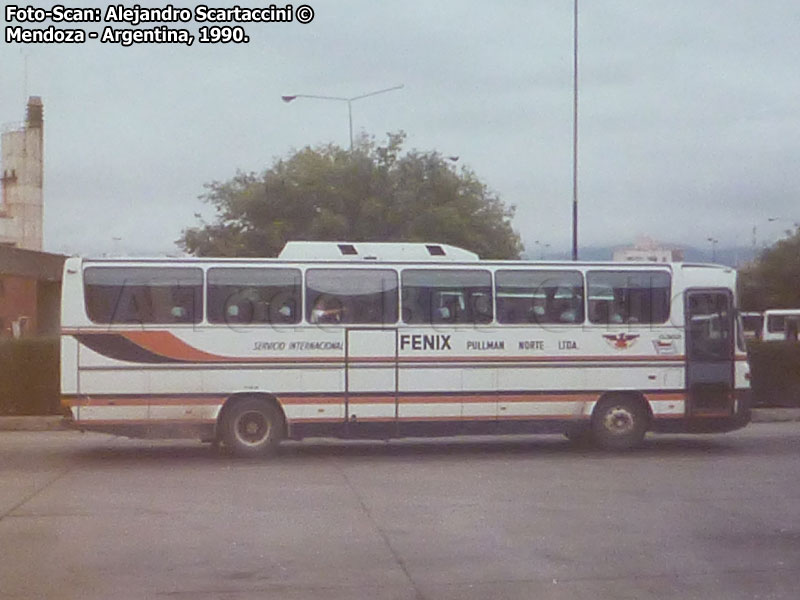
781, 324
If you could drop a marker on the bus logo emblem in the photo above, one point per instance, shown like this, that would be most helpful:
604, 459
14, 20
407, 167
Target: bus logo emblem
620, 341
664, 346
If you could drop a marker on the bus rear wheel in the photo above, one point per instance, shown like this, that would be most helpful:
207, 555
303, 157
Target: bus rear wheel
251, 427
619, 423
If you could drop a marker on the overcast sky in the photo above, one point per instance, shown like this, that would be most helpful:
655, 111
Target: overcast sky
688, 126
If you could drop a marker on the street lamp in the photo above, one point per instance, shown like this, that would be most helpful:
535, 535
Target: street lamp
290, 98
714, 243
769, 220
788, 232
795, 224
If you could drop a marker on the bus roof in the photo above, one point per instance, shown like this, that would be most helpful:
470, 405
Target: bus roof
212, 260
391, 252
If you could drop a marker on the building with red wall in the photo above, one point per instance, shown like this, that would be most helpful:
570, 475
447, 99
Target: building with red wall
30, 292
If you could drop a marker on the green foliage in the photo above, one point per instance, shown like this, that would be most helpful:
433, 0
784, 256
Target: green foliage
29, 371
775, 372
373, 193
773, 280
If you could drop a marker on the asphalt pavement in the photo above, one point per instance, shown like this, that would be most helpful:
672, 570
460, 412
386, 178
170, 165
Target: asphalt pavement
94, 516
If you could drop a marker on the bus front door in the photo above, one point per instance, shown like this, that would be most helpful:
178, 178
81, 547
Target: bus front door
371, 382
709, 352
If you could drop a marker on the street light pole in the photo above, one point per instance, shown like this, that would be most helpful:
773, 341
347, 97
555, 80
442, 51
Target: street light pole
350, 122
575, 133
350, 100
714, 243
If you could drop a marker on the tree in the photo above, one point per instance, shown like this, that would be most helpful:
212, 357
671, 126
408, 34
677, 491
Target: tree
372, 193
773, 279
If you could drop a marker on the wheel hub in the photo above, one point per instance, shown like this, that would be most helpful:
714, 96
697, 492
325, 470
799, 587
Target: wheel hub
252, 428
619, 421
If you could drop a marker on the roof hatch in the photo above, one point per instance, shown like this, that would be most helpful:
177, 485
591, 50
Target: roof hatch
375, 251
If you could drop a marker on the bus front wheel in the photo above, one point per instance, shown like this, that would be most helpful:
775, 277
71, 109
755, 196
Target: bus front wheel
619, 423
251, 427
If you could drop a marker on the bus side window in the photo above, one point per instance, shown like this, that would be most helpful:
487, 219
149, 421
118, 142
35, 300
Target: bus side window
253, 295
144, 294
358, 296
481, 307
283, 309
446, 296
448, 307
327, 309
628, 297
539, 296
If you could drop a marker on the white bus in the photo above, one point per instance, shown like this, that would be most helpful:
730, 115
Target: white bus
395, 340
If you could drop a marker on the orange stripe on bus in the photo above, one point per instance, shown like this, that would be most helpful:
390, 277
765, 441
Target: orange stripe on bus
405, 399
169, 345
665, 396
87, 422
143, 401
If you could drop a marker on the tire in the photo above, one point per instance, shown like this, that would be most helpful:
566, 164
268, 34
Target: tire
252, 427
619, 423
